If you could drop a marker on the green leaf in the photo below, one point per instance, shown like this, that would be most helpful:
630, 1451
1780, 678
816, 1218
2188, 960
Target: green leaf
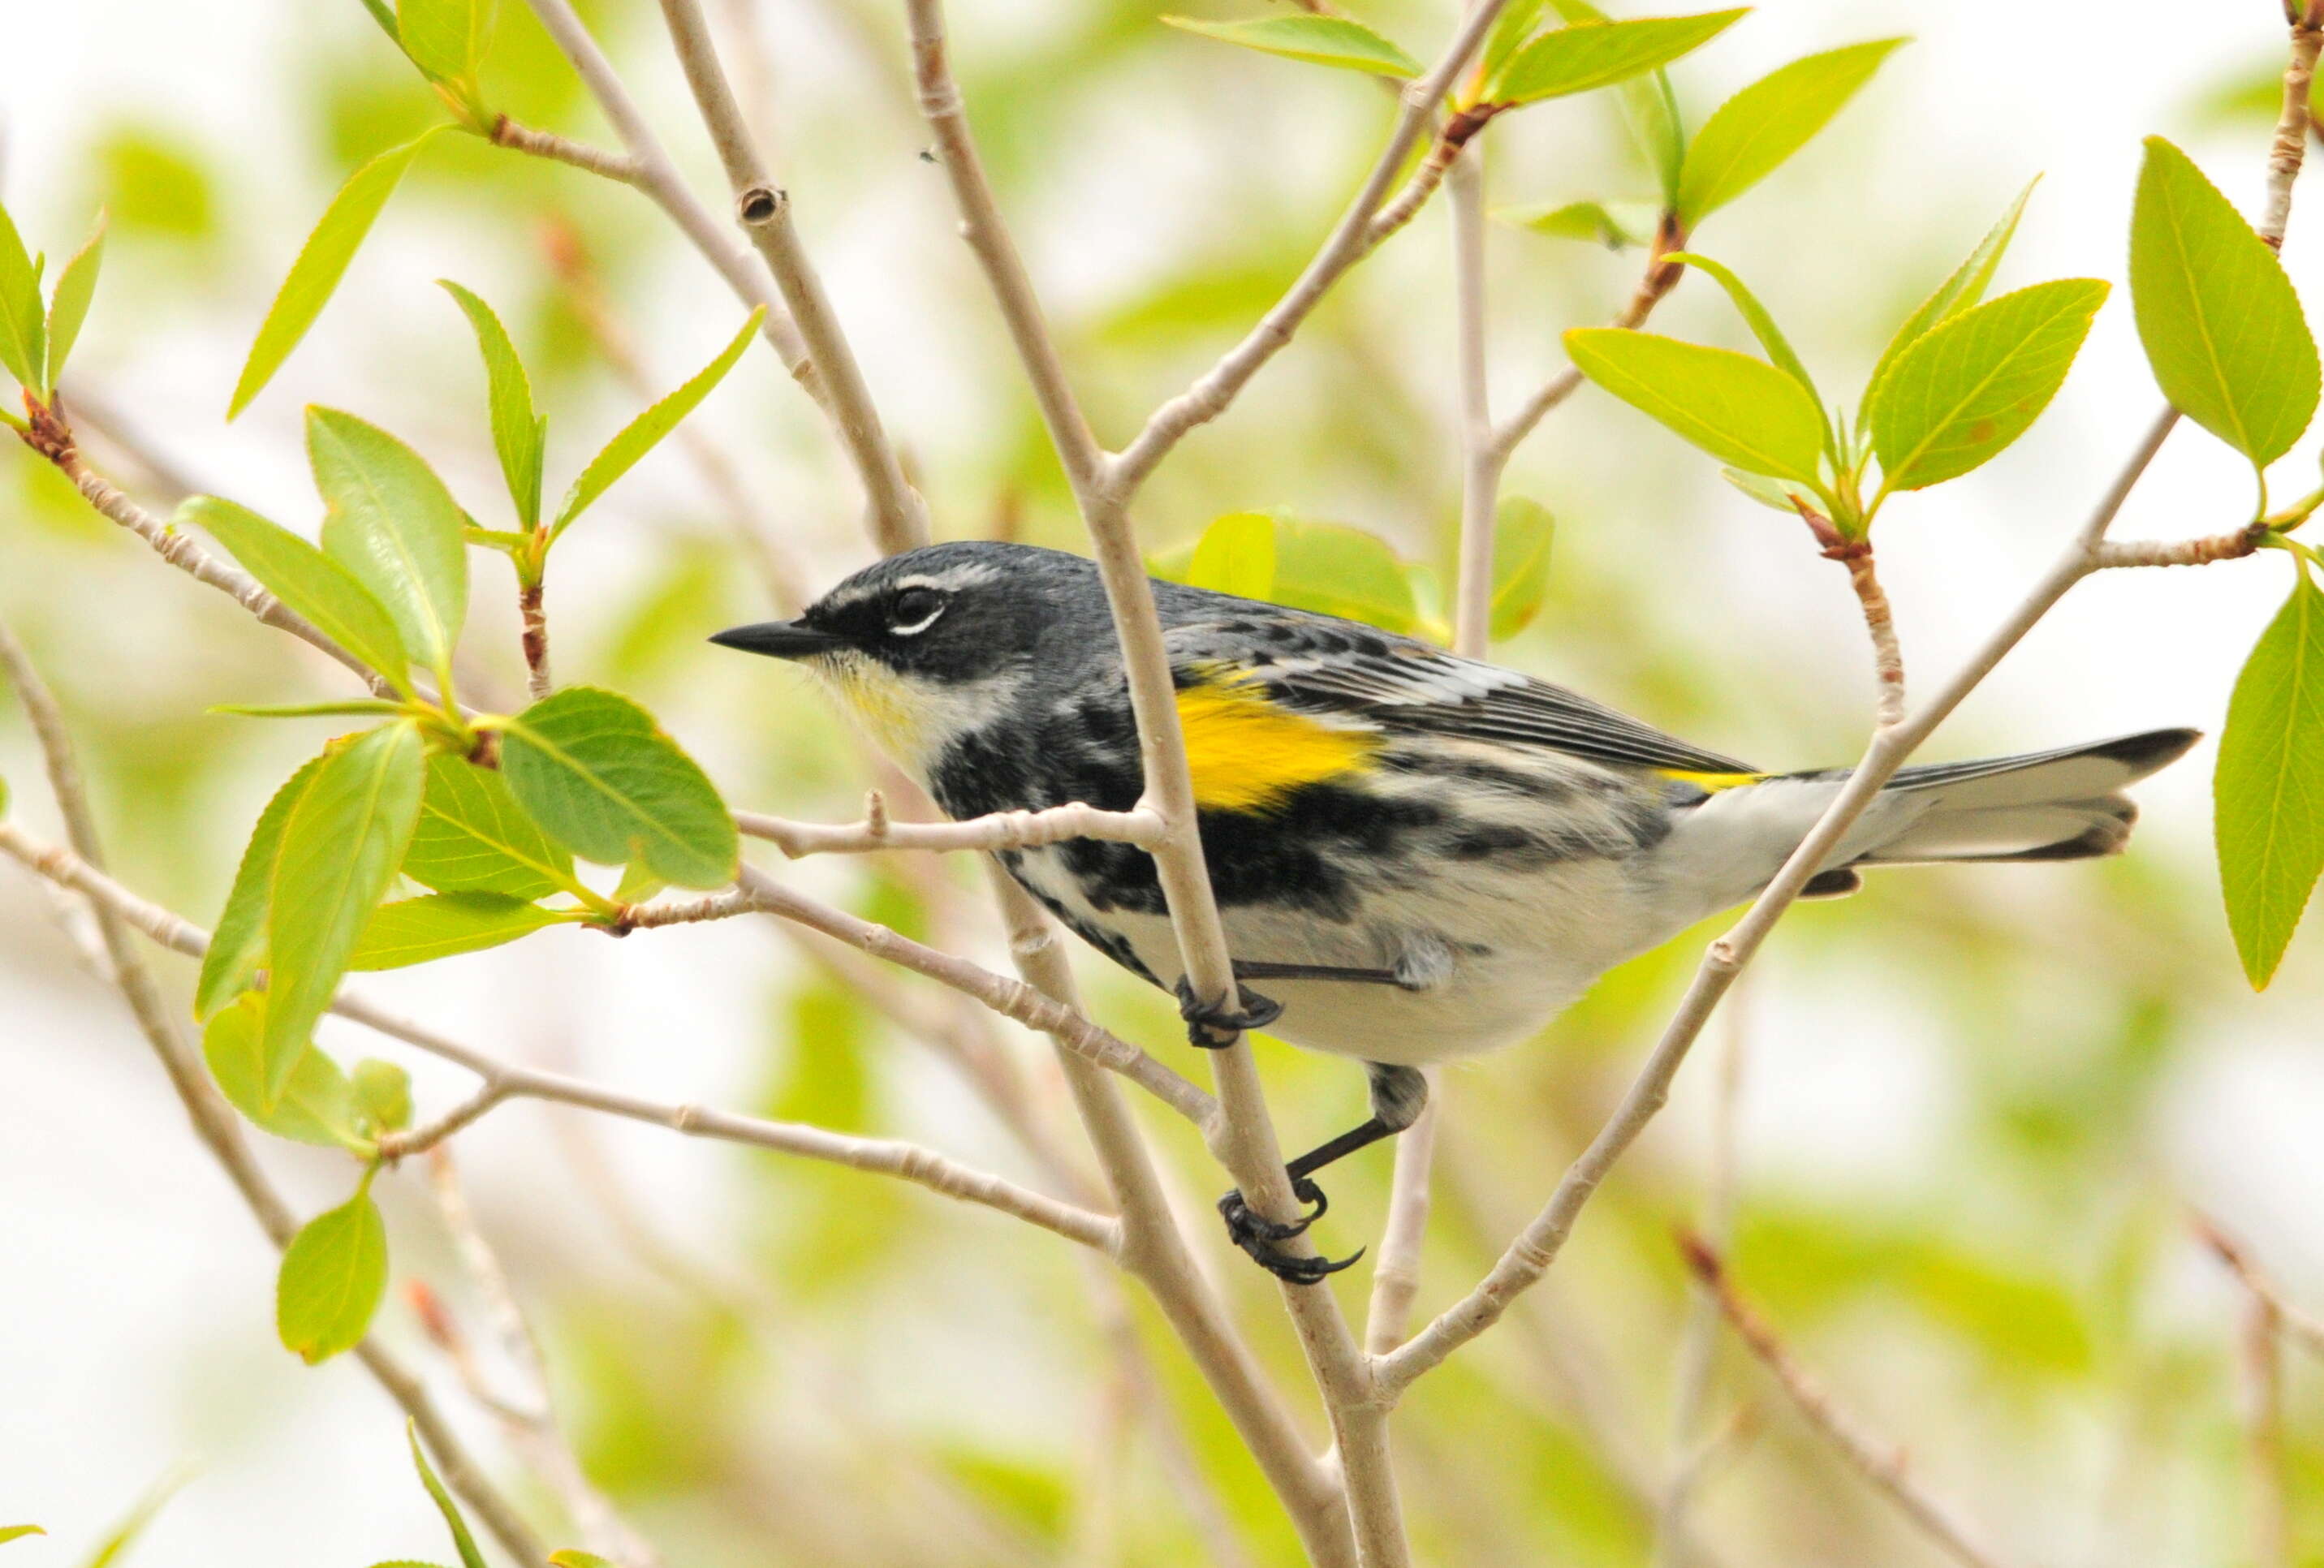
640, 435
1236, 555
322, 263
417, 930
2222, 328
360, 707
69, 305
1616, 225
1585, 55
1752, 133
1522, 532
125, 1534
2269, 788
383, 1094
1957, 293
317, 1106
1754, 316
473, 837
18, 1532
517, 430
637, 885
333, 1276
1766, 492
1337, 570
1510, 31
238, 948
341, 844
1650, 109
1743, 411
307, 580
392, 523
1965, 391
24, 337
446, 39
570, 1558
381, 14
592, 769
467, 1544
1332, 41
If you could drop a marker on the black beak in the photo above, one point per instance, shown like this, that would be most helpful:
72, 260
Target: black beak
780, 639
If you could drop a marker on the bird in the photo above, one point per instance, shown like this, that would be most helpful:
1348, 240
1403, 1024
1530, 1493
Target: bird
1418, 857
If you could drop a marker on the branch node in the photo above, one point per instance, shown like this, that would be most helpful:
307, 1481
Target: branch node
759, 204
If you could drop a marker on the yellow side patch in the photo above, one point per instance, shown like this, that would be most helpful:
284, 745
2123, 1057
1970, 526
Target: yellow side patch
1714, 782
1246, 755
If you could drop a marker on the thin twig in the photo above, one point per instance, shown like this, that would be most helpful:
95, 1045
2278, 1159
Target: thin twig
1009, 998
601, 160
778, 570
532, 1427
659, 179
2259, 1357
2303, 1327
1530, 1255
215, 1123
1660, 280
1698, 1355
1396, 1266
1000, 830
1884, 1465
538, 682
899, 521
890, 1156
1359, 230
181, 551
1245, 1139
1153, 1249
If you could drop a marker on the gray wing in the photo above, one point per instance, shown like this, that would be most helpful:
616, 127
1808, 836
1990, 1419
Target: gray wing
1316, 664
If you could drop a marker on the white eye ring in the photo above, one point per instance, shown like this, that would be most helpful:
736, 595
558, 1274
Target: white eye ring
920, 625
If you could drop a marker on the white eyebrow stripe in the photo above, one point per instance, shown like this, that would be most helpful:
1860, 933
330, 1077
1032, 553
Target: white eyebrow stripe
965, 575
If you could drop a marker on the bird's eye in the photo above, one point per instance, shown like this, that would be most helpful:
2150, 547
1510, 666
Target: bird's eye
914, 609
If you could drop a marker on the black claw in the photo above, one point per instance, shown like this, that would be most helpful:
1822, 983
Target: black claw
1257, 1235
1214, 1025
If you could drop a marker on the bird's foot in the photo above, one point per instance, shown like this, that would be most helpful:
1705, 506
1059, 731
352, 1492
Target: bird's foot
1257, 1235
1214, 1025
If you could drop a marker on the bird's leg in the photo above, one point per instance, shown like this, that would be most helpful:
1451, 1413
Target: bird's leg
1397, 1095
1214, 1025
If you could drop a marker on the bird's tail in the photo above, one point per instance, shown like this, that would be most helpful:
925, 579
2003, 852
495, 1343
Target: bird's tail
2062, 805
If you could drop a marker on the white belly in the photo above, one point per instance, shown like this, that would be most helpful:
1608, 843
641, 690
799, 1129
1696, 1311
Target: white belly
1522, 948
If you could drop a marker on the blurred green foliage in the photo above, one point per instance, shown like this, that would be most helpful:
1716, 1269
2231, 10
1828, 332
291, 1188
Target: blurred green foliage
851, 1338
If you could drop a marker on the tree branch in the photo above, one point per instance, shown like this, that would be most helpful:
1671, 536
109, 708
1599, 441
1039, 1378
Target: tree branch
2304, 1327
1002, 830
600, 161
899, 521
530, 1425
1244, 1136
1359, 230
1530, 1255
1153, 1249
886, 1156
1660, 280
1009, 998
1884, 1465
181, 551
1698, 1355
214, 1122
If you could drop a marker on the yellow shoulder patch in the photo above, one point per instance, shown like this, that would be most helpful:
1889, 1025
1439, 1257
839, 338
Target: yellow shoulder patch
1247, 754
1714, 782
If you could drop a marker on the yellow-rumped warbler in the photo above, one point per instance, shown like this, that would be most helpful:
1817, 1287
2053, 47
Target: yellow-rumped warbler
1418, 856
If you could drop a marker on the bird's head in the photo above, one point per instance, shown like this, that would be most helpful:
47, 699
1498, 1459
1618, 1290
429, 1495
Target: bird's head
935, 643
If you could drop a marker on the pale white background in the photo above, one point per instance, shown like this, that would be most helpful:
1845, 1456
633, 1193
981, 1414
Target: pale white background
135, 1301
